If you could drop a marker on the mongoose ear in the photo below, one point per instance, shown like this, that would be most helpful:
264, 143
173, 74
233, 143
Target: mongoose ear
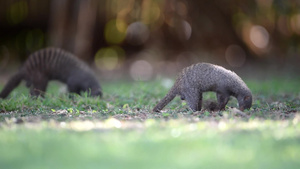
246, 98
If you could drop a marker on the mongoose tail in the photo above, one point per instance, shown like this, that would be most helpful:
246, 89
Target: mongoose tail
169, 97
11, 84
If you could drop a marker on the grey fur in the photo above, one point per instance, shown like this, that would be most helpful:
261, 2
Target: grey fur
203, 77
54, 64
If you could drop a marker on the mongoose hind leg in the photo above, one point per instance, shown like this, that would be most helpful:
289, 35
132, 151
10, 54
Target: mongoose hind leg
199, 101
222, 100
193, 98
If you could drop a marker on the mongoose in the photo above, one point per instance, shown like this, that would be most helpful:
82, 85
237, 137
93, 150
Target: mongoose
54, 64
202, 77
211, 105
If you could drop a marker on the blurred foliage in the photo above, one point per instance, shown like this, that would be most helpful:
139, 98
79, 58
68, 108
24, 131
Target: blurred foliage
233, 31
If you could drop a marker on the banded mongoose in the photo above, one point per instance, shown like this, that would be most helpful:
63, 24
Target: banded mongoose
210, 105
54, 64
203, 77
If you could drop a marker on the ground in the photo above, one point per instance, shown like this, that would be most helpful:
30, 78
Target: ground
120, 130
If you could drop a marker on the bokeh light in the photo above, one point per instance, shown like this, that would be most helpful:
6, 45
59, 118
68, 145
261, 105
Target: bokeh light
182, 9
187, 30
34, 40
151, 12
235, 56
167, 83
17, 12
295, 23
283, 25
115, 31
109, 58
141, 70
182, 28
259, 36
137, 33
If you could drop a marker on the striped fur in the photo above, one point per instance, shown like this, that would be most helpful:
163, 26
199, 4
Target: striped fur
203, 77
54, 64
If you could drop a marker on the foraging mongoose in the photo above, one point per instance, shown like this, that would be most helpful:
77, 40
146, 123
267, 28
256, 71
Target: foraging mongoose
54, 64
202, 77
210, 105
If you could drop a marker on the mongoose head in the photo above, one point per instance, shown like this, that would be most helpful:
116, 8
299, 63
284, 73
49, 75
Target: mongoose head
93, 88
96, 92
91, 85
245, 101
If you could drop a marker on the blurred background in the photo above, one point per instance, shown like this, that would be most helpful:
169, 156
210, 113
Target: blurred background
140, 39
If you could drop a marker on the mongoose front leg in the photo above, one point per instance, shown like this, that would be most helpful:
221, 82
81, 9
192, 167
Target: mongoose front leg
222, 100
74, 88
39, 86
74, 85
193, 98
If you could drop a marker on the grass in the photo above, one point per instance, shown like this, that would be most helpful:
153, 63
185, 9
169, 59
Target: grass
120, 131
